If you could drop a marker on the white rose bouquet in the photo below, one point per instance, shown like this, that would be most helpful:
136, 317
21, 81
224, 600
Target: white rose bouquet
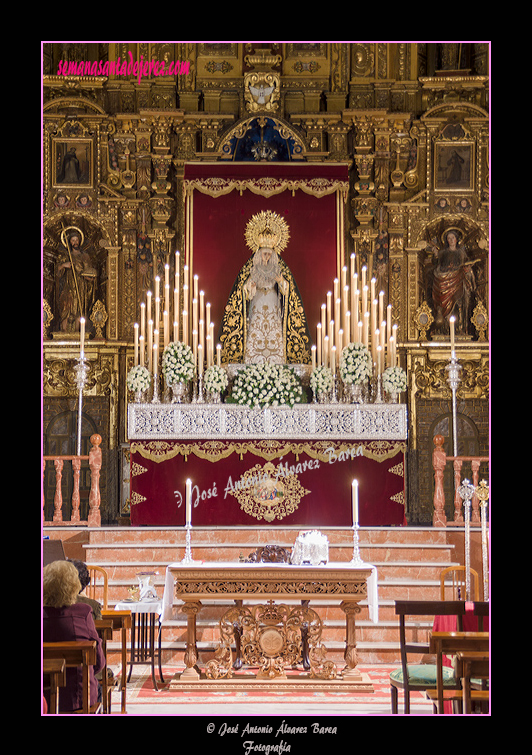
394, 380
215, 379
259, 385
177, 363
321, 380
355, 364
138, 379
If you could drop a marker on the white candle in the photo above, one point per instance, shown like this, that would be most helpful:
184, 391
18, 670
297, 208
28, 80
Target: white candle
141, 350
143, 320
313, 349
136, 330
319, 341
451, 320
188, 501
219, 355
200, 359
354, 502
82, 336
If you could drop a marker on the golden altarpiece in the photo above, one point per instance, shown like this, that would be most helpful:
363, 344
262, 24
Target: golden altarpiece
409, 121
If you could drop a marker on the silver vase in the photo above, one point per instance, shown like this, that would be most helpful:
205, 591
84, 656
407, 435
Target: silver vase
179, 392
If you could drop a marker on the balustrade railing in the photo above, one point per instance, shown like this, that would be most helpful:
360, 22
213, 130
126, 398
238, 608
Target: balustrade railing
439, 463
95, 464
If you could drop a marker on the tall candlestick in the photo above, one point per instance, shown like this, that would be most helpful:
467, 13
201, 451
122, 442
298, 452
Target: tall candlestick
354, 502
185, 327
141, 350
326, 351
188, 502
176, 331
313, 350
333, 360
319, 343
157, 281
219, 355
136, 331
329, 306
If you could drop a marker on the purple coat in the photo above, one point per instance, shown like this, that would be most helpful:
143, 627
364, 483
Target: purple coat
64, 625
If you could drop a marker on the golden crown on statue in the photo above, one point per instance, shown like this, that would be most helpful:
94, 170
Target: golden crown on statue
267, 229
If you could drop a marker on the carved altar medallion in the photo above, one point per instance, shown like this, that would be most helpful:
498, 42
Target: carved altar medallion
268, 493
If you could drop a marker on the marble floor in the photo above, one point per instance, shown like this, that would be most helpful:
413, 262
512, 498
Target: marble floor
142, 700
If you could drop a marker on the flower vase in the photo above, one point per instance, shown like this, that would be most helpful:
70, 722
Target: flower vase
353, 393
179, 390
214, 397
393, 397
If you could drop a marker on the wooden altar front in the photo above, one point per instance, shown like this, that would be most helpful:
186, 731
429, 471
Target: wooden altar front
269, 467
268, 631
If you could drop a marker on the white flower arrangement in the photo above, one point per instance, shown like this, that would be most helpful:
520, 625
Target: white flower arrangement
321, 379
215, 379
355, 364
259, 385
177, 363
138, 379
394, 380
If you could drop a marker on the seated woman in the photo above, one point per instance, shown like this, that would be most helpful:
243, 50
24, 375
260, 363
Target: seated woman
64, 620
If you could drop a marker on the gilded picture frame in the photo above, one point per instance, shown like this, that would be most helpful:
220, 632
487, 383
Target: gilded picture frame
72, 163
454, 166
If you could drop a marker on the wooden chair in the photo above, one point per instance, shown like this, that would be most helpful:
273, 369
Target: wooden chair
53, 677
121, 621
458, 583
473, 667
420, 676
76, 653
451, 643
98, 587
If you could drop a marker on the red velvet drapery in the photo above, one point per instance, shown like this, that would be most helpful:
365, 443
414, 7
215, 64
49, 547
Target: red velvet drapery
159, 473
218, 225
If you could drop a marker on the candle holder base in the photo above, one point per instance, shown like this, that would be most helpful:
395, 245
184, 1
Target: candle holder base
356, 560
187, 558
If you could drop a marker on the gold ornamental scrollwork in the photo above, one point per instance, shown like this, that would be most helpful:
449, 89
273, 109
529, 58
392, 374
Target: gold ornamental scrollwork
271, 637
267, 493
214, 450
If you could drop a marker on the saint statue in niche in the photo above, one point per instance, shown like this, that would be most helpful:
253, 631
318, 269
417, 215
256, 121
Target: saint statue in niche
452, 282
76, 281
264, 319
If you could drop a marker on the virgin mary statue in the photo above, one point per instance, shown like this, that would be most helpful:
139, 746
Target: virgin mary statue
264, 319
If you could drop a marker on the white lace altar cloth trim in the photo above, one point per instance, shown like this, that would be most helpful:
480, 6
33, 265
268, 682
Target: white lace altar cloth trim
231, 421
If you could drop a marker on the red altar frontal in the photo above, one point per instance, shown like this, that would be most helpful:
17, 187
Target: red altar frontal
264, 482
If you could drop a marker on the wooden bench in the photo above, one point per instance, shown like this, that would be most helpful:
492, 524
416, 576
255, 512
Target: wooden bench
53, 677
81, 653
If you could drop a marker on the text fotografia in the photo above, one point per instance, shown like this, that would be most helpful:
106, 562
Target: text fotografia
124, 67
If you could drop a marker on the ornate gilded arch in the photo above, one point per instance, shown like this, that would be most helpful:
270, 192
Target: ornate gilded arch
262, 137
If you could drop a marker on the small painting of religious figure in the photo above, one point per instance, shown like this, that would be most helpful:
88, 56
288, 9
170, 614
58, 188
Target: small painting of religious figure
72, 162
454, 168
264, 320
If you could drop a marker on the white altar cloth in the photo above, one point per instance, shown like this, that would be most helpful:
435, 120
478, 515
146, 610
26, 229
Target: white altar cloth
168, 596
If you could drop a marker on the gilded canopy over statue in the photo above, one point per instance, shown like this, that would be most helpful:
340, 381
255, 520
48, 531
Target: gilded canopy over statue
264, 319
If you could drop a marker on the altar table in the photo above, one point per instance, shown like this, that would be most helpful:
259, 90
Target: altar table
271, 607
